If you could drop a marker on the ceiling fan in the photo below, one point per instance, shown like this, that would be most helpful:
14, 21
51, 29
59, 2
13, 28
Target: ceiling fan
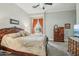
43, 5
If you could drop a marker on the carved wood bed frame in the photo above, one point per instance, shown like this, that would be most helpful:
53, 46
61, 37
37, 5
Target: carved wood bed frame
17, 53
5, 31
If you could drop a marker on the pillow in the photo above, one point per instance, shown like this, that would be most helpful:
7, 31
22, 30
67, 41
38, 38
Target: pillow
21, 33
38, 34
14, 35
27, 33
24, 33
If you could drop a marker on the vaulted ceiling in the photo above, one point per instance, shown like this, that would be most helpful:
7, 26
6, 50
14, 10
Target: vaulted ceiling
27, 7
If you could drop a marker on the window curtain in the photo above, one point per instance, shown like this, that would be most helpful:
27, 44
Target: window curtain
41, 24
35, 22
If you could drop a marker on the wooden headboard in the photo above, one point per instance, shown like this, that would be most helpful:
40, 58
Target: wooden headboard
8, 31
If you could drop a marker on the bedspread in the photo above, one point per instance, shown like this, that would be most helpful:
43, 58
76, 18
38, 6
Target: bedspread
34, 44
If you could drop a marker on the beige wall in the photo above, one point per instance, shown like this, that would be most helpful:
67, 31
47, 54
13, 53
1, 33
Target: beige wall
8, 11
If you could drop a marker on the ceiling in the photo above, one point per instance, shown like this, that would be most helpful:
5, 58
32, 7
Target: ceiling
27, 7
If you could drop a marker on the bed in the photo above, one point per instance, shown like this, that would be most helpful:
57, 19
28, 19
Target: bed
28, 45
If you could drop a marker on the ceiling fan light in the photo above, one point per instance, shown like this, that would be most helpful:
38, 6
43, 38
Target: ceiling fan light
41, 5
48, 3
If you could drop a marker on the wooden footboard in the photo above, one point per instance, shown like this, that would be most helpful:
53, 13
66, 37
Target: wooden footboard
5, 31
17, 53
20, 53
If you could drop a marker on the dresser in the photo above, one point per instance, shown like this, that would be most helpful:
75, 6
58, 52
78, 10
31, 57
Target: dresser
73, 46
59, 34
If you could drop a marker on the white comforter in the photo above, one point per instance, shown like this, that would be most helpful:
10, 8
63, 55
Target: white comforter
34, 44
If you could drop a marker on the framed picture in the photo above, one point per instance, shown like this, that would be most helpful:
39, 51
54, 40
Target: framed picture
67, 26
13, 21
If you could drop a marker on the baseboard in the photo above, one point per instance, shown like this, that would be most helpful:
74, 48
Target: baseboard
50, 38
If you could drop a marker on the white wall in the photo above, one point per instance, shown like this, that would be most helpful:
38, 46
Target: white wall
60, 18
8, 11
77, 13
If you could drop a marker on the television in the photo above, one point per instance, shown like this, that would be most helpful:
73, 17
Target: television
76, 30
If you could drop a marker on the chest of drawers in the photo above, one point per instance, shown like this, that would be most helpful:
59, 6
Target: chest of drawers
73, 46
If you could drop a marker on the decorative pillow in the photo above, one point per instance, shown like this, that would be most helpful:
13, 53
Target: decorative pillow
14, 35
21, 33
24, 33
27, 33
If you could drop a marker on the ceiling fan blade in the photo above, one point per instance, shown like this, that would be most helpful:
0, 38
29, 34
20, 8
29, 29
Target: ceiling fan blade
35, 6
48, 3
